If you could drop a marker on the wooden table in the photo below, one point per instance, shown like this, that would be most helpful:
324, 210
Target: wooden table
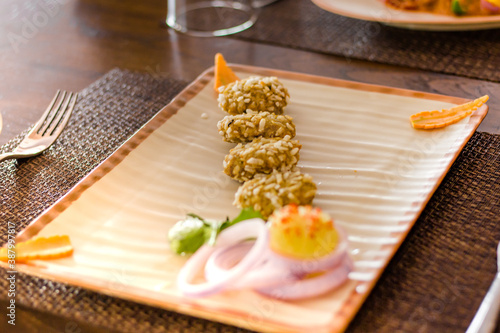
76, 42
71, 43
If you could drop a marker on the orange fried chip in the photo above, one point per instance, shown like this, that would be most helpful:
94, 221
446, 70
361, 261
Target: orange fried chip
439, 119
223, 74
52, 247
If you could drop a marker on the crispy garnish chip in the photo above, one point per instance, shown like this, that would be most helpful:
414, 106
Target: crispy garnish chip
53, 247
443, 118
223, 74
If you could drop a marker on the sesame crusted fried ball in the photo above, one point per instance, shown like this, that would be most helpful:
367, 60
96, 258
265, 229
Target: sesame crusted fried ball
246, 127
254, 93
265, 193
262, 155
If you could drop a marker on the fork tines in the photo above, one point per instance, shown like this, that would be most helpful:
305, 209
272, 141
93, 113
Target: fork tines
57, 113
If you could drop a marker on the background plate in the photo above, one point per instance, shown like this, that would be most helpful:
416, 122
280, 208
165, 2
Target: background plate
374, 174
376, 10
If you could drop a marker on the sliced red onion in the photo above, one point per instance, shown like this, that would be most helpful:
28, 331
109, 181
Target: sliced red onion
267, 272
225, 257
237, 233
314, 286
280, 275
233, 264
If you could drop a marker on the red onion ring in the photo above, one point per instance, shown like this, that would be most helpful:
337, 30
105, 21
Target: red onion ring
237, 233
309, 287
283, 277
224, 257
265, 273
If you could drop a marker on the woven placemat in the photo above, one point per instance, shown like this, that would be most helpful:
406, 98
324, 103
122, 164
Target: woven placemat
303, 25
434, 284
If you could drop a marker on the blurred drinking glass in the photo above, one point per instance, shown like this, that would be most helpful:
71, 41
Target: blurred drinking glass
209, 18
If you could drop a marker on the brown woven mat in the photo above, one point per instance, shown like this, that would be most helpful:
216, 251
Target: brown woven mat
434, 284
301, 24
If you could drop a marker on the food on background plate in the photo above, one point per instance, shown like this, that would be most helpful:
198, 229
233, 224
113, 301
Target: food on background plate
237, 263
491, 5
254, 93
53, 247
449, 7
262, 155
223, 74
445, 117
248, 126
266, 193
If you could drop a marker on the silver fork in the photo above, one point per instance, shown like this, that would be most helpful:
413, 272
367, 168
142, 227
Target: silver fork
47, 129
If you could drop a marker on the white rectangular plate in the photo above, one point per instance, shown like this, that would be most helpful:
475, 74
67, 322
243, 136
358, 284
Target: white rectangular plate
374, 172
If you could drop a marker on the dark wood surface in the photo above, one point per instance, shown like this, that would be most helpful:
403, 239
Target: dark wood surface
71, 43
81, 40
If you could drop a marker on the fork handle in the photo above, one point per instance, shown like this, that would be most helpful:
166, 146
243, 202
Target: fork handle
486, 316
